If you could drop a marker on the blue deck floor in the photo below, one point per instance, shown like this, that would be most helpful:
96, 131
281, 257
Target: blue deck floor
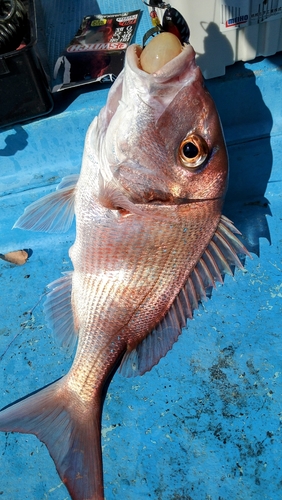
205, 423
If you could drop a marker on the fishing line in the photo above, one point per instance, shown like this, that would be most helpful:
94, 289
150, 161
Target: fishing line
24, 325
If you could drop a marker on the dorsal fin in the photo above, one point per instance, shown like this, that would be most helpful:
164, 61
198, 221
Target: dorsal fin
59, 312
53, 213
221, 253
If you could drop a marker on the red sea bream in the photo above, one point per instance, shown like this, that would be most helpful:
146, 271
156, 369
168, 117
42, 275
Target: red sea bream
150, 240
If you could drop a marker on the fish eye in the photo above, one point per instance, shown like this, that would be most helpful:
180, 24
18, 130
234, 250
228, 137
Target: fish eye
193, 151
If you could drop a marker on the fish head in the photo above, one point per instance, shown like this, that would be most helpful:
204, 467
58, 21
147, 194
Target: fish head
163, 141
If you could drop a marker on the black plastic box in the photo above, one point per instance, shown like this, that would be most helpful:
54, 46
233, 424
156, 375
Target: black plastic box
24, 92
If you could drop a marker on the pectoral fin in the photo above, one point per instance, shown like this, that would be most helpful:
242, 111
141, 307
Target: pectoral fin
52, 213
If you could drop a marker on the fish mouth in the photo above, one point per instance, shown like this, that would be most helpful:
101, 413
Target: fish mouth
158, 89
178, 66
122, 198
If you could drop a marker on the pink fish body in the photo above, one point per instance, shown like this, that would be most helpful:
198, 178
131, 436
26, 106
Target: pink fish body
150, 240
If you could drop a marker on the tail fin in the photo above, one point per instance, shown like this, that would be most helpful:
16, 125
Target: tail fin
71, 434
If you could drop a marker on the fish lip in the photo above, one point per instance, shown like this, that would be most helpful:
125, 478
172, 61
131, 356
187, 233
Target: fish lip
177, 66
179, 201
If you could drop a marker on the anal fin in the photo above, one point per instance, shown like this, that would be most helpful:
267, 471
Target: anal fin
59, 312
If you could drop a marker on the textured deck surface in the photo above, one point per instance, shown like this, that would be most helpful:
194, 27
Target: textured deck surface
205, 423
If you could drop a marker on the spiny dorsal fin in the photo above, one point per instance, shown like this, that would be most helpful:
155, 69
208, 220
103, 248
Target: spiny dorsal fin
59, 312
221, 253
53, 213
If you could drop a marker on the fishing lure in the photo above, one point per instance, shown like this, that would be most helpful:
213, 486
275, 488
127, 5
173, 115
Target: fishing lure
172, 22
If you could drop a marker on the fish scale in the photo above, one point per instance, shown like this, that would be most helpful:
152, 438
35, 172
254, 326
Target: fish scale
154, 297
